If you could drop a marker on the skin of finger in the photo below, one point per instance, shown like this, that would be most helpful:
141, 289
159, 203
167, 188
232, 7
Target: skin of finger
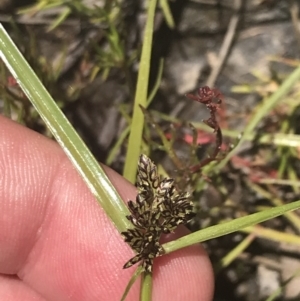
13, 289
58, 239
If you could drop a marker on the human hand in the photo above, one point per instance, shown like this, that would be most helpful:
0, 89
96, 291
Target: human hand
56, 242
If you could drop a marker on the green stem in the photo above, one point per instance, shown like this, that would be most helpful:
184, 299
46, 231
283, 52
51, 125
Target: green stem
146, 287
137, 124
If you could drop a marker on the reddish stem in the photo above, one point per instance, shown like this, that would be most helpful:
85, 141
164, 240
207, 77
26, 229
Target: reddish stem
212, 98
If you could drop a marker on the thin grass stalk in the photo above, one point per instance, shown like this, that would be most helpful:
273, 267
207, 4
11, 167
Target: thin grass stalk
234, 253
137, 124
164, 4
274, 235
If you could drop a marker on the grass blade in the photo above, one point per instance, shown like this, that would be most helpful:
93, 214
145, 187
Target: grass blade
229, 227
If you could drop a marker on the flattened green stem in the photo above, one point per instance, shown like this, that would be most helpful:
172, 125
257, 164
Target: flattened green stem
228, 227
73, 146
146, 287
137, 124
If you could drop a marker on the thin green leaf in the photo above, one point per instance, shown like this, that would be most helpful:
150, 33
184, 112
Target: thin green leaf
132, 280
274, 235
164, 4
228, 227
113, 152
279, 291
234, 253
60, 18
157, 82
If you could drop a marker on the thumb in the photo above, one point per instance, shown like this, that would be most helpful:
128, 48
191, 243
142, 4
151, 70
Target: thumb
59, 242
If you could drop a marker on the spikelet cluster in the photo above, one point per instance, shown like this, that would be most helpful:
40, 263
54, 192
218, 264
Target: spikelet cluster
159, 208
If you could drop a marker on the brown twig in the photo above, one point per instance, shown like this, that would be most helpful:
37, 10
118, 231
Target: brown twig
226, 44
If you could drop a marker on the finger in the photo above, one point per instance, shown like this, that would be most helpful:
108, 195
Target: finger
53, 234
186, 273
12, 289
58, 239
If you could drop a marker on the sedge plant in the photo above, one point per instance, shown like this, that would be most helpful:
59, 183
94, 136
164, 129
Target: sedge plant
97, 180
